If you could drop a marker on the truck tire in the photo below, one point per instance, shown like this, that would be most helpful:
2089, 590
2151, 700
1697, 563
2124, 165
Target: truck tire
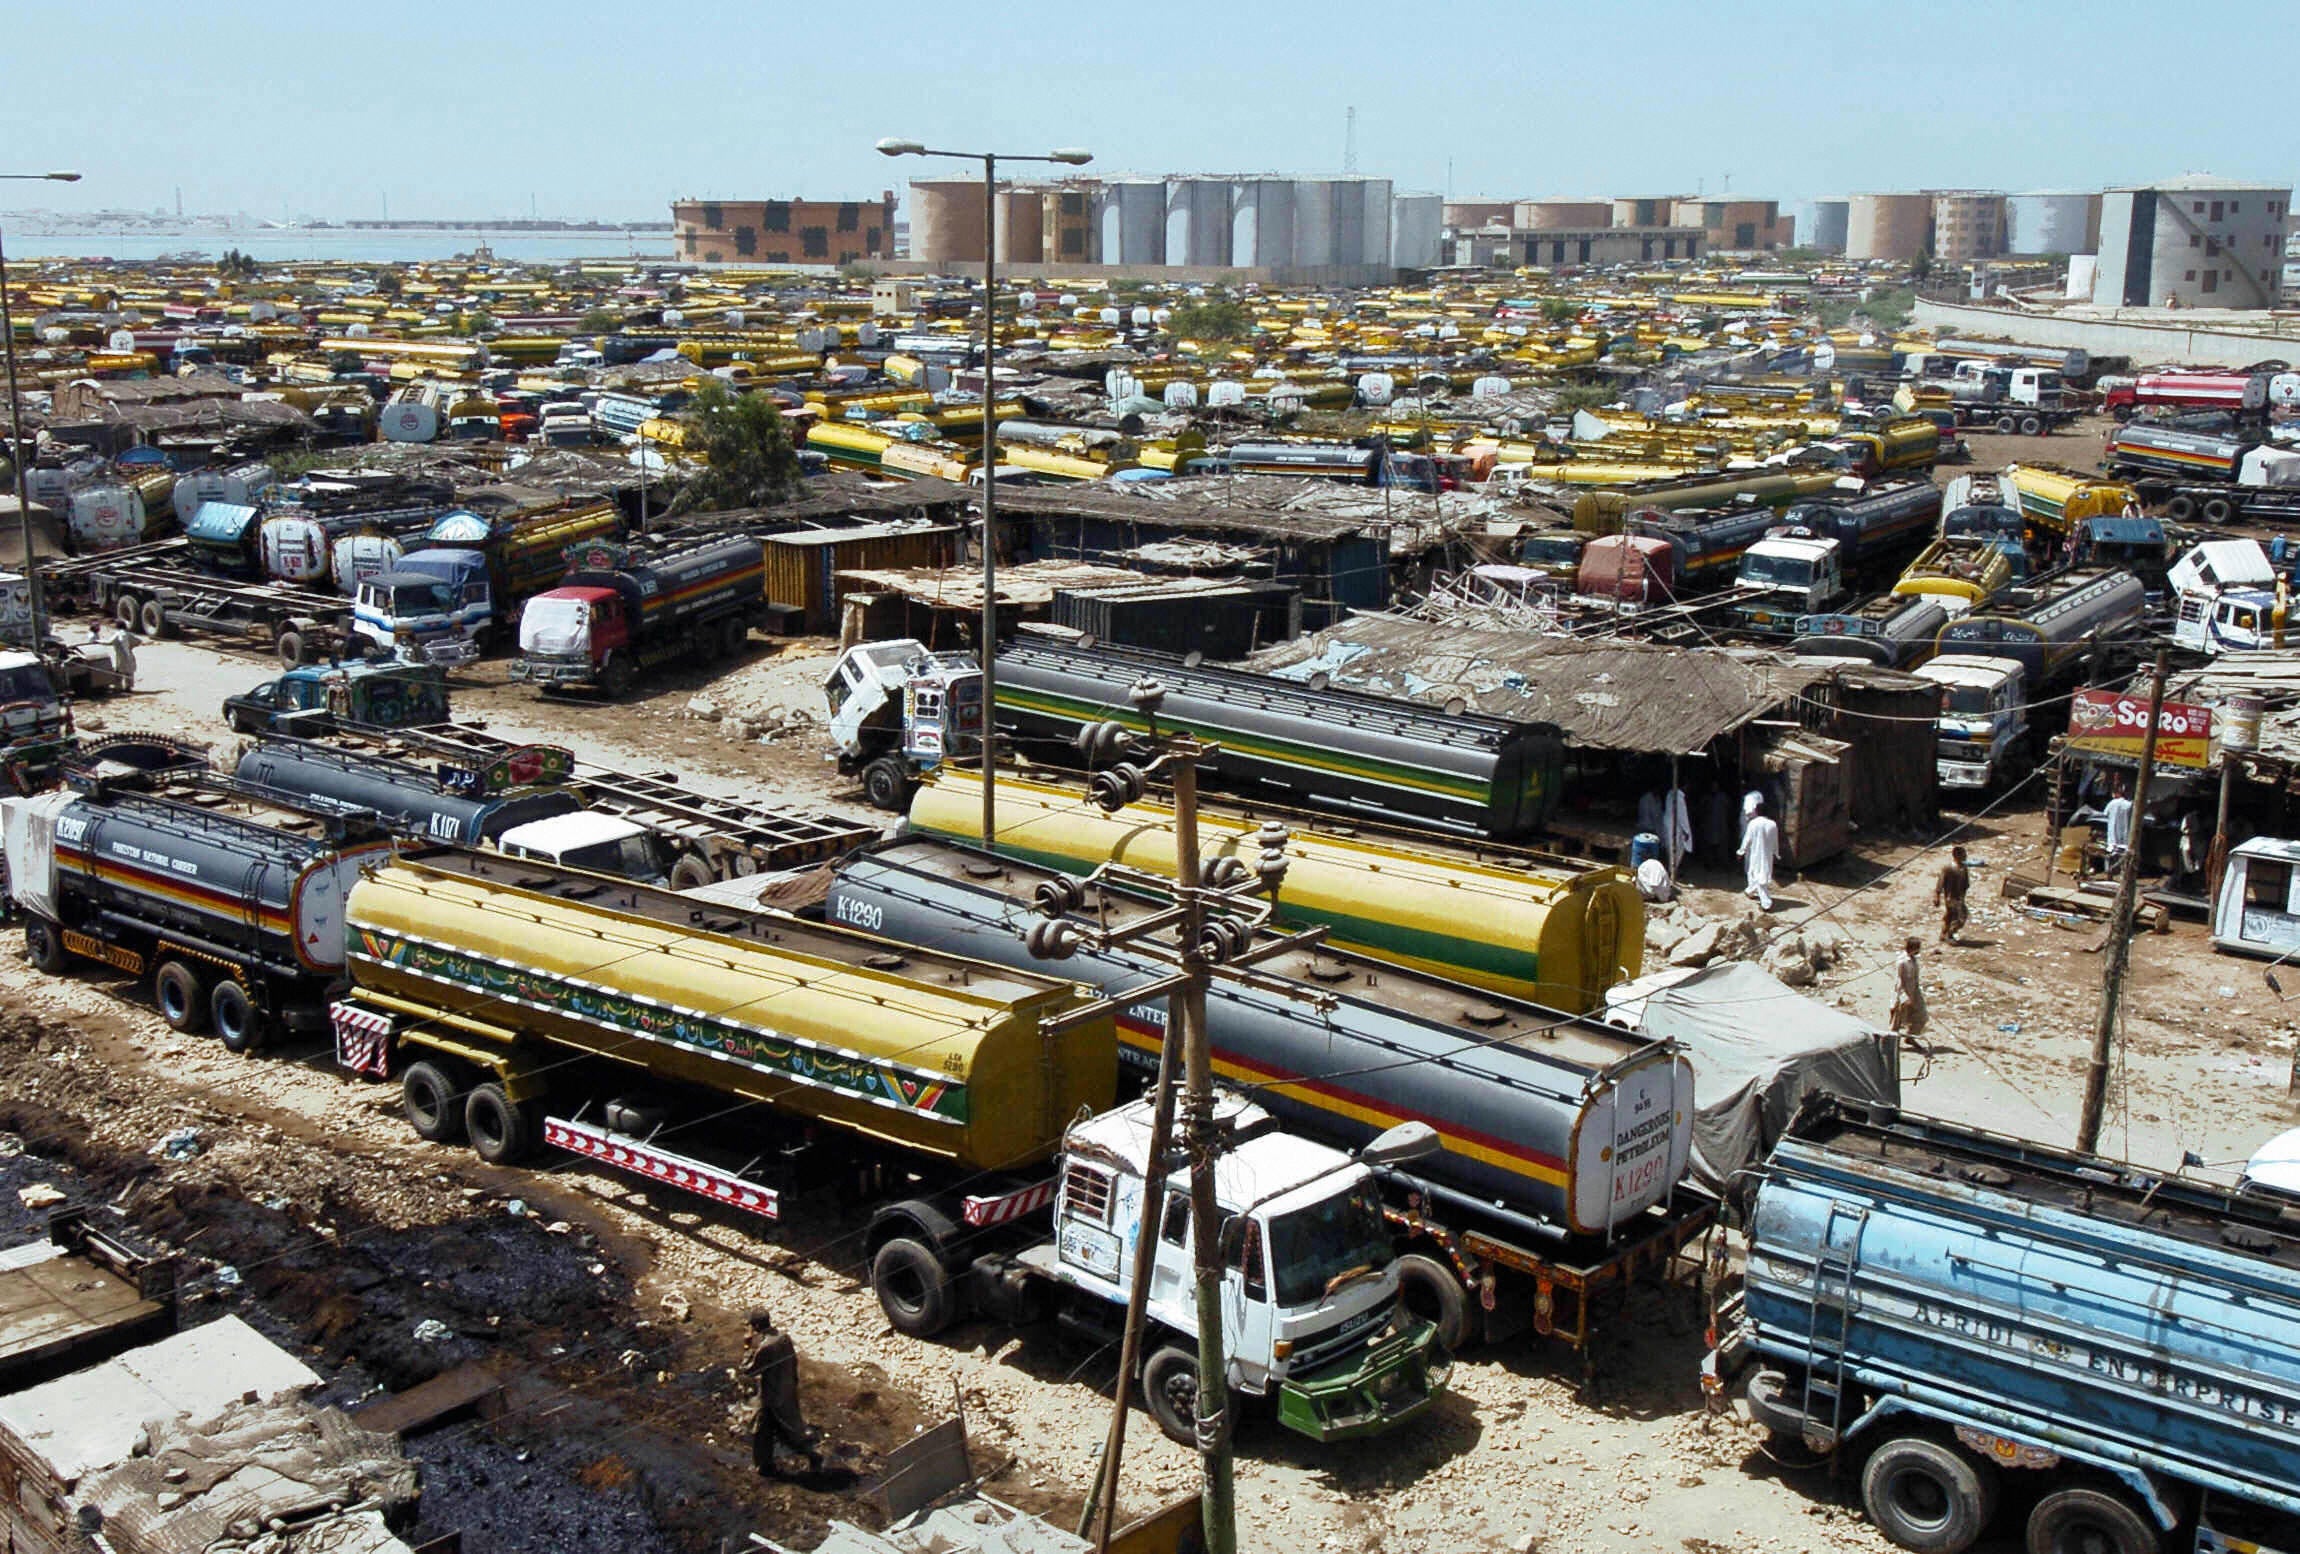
289, 647
503, 1131
2181, 508
913, 1288
182, 1002
1926, 1496
128, 610
2218, 509
2031, 425
1768, 1396
2089, 1521
735, 639
427, 1095
886, 784
616, 675
153, 620
1170, 1392
44, 946
239, 1023
2008, 424
691, 872
1431, 1291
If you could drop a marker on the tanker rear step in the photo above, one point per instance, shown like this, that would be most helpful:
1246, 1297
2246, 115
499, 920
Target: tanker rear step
738, 837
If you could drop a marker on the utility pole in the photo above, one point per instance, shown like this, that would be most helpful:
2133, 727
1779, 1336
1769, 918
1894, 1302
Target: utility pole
1202, 941
2120, 929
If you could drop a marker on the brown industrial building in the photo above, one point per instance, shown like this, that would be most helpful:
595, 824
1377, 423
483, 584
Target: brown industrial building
784, 231
1038, 223
1738, 226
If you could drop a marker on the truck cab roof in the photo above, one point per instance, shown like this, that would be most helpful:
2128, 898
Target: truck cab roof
1968, 669
1261, 1166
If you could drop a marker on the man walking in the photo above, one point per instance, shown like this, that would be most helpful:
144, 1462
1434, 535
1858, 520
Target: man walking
1760, 846
1949, 894
1909, 991
773, 1366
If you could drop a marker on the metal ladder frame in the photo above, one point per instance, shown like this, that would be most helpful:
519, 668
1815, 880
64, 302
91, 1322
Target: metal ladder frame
1828, 1258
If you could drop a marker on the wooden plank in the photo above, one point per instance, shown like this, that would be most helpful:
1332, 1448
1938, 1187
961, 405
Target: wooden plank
450, 1392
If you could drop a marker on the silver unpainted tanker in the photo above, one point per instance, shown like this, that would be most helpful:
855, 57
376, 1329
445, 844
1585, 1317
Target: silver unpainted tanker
1564, 1120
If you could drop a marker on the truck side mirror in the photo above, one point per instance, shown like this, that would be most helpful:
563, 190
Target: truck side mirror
1408, 1141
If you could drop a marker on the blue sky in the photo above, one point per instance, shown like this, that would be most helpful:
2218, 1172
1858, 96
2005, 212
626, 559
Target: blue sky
611, 110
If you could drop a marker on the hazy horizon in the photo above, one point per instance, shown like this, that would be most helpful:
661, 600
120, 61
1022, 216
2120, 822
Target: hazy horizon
580, 113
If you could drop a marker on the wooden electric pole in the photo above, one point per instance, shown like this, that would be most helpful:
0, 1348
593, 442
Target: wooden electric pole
2120, 928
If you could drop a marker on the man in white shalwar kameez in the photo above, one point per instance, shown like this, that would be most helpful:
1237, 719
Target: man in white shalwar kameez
1760, 847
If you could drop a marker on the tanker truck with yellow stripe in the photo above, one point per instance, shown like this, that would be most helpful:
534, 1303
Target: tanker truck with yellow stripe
745, 1055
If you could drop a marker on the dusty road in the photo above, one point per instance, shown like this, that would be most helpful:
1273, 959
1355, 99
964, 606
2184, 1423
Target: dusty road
628, 1362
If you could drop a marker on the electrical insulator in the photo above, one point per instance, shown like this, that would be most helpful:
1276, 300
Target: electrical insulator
1060, 896
1048, 939
1115, 787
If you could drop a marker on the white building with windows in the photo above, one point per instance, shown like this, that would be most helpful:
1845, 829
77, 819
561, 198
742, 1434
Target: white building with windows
2193, 242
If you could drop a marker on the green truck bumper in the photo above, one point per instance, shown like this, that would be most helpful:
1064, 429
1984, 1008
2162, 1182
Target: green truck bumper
1367, 1392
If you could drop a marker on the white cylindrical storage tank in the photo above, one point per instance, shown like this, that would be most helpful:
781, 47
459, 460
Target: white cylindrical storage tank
1179, 225
1132, 221
1262, 223
1198, 221
1417, 222
1831, 218
1314, 221
2052, 222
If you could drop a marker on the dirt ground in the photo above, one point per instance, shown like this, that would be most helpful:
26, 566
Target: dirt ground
618, 1311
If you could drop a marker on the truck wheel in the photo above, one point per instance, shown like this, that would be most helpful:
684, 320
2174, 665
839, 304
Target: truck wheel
691, 872
176, 989
154, 616
44, 945
127, 609
2089, 1521
1926, 1496
289, 647
2219, 509
913, 1288
2007, 425
502, 1130
2180, 509
427, 1095
239, 1023
1170, 1392
737, 637
2031, 425
617, 675
886, 785
1430, 1291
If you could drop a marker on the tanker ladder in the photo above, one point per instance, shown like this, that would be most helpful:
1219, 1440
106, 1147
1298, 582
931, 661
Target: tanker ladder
1831, 1262
736, 836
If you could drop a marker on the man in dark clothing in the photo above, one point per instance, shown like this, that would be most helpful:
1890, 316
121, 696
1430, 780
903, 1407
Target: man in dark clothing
1956, 879
773, 1365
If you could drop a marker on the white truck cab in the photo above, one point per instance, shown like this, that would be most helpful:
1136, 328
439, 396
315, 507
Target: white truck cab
2225, 598
601, 843
1800, 575
1984, 714
897, 709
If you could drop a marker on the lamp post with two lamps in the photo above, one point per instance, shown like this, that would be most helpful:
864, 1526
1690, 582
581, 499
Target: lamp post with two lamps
16, 415
1069, 157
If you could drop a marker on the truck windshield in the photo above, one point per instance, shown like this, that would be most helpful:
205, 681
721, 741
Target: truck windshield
1565, 548
1313, 1247
627, 857
26, 682
1792, 571
1966, 701
417, 598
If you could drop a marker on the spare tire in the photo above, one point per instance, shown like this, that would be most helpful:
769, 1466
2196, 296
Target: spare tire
691, 872
290, 648
1429, 1289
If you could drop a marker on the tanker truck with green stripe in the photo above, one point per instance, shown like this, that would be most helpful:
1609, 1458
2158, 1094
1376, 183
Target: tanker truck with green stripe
749, 1057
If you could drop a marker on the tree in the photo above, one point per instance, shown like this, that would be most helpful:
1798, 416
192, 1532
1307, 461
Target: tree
745, 448
602, 321
236, 266
1559, 311
389, 283
1211, 321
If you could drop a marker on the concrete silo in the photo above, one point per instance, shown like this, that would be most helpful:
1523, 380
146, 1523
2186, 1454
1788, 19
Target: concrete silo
1832, 219
1131, 218
1561, 215
1314, 222
1262, 223
1198, 220
2052, 221
946, 220
1888, 226
1417, 222
1021, 236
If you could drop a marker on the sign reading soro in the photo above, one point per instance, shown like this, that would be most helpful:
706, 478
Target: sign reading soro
2107, 723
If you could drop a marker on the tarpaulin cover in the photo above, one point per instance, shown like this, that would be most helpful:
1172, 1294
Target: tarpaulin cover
1758, 1048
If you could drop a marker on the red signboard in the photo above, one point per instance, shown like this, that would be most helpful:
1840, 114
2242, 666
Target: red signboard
2112, 724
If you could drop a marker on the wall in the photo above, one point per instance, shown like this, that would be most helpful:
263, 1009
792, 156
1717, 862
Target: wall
1564, 248
2219, 342
830, 232
2201, 247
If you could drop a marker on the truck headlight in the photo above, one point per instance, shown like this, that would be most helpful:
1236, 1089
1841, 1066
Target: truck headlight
1283, 1349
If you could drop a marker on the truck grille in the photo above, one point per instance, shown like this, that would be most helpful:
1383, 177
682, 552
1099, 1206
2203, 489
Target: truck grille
1351, 1332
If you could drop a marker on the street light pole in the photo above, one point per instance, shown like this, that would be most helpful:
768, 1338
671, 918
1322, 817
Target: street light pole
988, 631
16, 421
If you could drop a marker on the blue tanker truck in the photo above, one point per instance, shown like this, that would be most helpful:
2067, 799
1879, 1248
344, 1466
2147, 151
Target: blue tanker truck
1977, 1321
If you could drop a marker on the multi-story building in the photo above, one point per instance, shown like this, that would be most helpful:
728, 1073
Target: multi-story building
2193, 242
1967, 225
1743, 226
822, 232
1561, 248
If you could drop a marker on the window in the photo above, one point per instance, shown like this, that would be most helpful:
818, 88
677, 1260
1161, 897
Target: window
870, 239
2215, 210
2211, 280
1175, 1230
2212, 245
815, 242
714, 217
688, 240
2188, 275
2234, 206
1073, 242
775, 215
1557, 252
2267, 884
2196, 208
746, 241
779, 256
1246, 1257
1072, 205
1087, 1194
2195, 239
850, 217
